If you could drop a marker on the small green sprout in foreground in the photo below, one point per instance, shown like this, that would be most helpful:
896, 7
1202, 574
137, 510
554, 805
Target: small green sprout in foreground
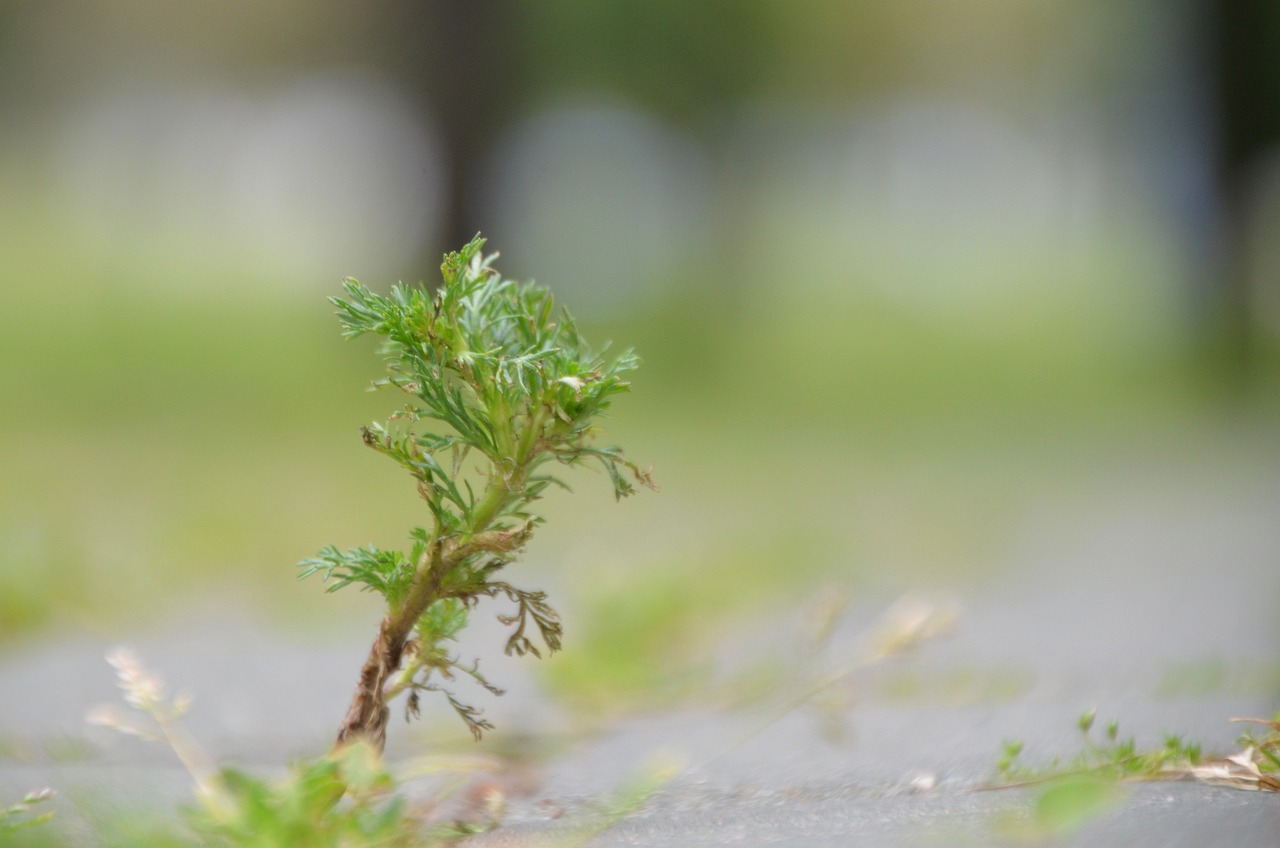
500, 388
345, 799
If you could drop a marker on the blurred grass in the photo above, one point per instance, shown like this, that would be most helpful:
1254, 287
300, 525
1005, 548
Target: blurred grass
850, 441
163, 446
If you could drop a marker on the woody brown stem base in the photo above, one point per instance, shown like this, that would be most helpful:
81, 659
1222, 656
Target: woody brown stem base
366, 718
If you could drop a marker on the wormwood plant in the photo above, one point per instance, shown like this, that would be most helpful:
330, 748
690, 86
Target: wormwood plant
501, 389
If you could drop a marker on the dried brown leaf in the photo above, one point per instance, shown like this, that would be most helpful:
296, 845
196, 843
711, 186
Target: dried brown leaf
1238, 771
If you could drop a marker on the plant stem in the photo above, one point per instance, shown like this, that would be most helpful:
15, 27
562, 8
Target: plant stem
496, 493
366, 717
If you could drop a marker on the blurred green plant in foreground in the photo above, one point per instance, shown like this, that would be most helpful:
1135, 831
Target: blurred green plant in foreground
349, 798
344, 799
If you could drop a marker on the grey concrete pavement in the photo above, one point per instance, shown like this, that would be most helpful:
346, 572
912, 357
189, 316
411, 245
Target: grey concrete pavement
1117, 603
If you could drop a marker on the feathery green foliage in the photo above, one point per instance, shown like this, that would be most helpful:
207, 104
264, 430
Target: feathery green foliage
501, 391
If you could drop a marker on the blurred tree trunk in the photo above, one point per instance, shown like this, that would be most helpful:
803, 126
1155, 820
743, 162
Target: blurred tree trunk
463, 62
1246, 62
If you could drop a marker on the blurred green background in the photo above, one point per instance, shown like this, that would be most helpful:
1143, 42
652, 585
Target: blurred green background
901, 272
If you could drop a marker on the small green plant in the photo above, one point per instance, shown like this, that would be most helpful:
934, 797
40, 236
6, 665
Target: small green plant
509, 389
1075, 792
1110, 758
1089, 785
346, 798
1255, 766
301, 809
